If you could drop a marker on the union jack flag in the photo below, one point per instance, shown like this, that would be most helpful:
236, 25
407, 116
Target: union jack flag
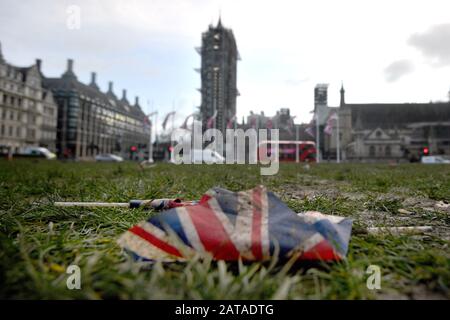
251, 225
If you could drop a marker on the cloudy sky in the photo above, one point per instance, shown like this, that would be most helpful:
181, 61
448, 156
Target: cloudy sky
383, 51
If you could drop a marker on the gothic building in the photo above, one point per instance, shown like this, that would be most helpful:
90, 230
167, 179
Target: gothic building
219, 56
389, 131
91, 122
27, 110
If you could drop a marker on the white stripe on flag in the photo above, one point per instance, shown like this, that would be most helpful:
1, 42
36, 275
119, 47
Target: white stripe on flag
240, 239
189, 229
265, 241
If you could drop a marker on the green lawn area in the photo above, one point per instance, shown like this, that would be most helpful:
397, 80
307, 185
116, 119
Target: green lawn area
39, 241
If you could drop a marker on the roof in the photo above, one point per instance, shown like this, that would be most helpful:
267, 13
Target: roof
371, 116
71, 83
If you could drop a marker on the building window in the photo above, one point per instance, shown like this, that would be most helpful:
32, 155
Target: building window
372, 151
10, 131
387, 151
18, 132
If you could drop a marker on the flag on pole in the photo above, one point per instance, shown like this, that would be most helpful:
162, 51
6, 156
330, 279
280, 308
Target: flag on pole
147, 121
231, 122
252, 225
167, 119
212, 121
330, 123
184, 125
291, 125
310, 130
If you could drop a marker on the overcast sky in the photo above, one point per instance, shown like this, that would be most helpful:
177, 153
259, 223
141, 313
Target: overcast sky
383, 51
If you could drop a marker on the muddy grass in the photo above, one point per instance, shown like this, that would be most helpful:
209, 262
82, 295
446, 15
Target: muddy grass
39, 241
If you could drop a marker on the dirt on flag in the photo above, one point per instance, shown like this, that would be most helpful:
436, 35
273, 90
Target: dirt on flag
251, 225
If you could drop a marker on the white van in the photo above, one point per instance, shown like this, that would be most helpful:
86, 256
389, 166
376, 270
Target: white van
201, 156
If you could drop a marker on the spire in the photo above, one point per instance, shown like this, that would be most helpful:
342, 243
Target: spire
219, 23
342, 95
93, 83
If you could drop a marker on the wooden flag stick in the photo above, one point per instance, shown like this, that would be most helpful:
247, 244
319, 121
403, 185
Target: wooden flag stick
155, 204
93, 204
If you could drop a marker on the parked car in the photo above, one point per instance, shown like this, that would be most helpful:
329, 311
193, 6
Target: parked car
38, 152
203, 156
108, 157
434, 159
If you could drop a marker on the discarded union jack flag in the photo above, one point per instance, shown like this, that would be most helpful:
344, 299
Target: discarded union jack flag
251, 225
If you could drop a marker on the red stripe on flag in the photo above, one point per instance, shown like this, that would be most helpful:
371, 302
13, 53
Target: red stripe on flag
211, 232
256, 224
164, 246
321, 251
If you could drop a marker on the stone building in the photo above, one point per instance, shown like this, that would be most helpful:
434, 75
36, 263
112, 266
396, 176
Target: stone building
389, 131
218, 71
282, 120
28, 111
91, 122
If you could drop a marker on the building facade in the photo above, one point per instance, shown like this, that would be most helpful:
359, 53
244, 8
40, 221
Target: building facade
91, 122
389, 131
288, 130
28, 112
218, 71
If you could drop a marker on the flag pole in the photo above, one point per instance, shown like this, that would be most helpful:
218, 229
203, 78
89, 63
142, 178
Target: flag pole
338, 140
317, 135
296, 144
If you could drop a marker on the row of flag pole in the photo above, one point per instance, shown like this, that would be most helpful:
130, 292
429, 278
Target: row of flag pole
331, 123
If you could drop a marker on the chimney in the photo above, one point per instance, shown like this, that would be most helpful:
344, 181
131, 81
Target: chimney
110, 86
124, 94
93, 83
93, 77
69, 74
70, 65
136, 102
39, 64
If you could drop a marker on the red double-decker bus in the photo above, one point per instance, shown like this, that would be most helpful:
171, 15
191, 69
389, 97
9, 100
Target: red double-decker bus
290, 151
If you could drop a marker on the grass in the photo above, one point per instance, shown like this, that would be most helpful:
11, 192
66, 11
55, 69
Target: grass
38, 241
